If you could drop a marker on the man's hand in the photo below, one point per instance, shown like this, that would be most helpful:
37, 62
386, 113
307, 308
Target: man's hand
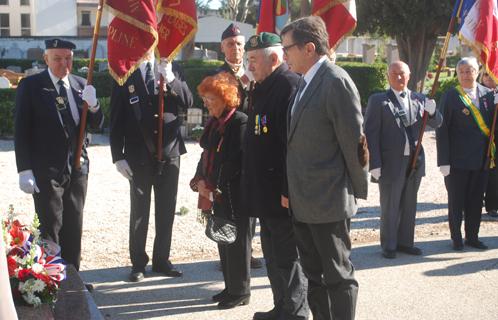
375, 173
445, 170
166, 70
123, 168
430, 106
89, 95
284, 201
27, 182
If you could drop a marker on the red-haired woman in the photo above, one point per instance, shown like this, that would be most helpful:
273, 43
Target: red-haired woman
218, 177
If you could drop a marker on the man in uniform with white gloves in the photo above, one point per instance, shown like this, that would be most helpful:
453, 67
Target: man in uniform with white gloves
47, 122
133, 139
392, 125
462, 143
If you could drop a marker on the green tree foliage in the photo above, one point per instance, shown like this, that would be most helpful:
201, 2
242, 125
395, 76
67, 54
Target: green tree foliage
414, 24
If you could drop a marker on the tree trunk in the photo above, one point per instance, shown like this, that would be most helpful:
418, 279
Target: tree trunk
416, 50
245, 10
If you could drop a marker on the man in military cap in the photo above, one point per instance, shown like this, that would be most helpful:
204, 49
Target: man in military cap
232, 46
47, 121
133, 140
263, 175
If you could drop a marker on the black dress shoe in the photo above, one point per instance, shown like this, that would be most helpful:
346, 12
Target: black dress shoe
168, 270
410, 250
493, 213
89, 287
457, 245
389, 254
136, 275
232, 301
476, 244
268, 315
256, 263
220, 296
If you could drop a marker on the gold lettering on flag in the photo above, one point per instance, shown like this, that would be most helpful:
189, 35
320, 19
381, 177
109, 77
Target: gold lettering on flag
121, 37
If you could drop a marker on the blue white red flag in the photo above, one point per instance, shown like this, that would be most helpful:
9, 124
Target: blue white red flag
479, 30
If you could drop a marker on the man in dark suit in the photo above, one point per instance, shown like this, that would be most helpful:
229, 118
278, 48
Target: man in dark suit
392, 125
264, 186
462, 143
47, 121
326, 168
133, 139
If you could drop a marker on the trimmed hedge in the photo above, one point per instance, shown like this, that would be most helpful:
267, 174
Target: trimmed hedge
368, 79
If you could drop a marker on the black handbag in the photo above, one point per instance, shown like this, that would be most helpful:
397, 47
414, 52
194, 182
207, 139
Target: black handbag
220, 230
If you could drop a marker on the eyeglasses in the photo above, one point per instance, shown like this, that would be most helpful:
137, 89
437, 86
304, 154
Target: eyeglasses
286, 48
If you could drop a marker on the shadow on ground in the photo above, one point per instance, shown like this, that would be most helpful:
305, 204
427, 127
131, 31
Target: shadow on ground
158, 296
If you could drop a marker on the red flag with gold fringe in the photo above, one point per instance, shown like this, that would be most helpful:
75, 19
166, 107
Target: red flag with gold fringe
177, 26
338, 15
130, 35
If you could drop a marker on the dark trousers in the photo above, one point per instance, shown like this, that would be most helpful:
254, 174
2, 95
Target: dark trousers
324, 250
60, 209
165, 190
491, 199
398, 207
285, 273
235, 259
465, 194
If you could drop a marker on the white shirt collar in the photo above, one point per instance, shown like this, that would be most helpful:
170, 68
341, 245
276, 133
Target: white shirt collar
56, 79
398, 93
310, 74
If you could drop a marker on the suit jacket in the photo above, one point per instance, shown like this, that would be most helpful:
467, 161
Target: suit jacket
134, 127
263, 174
41, 143
323, 166
460, 143
386, 135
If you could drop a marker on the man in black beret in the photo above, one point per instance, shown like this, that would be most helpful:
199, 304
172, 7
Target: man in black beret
47, 124
264, 183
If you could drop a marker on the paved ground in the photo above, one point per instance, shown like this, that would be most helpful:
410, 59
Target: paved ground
441, 284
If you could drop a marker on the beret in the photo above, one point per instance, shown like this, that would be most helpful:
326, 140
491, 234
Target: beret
59, 44
263, 40
231, 31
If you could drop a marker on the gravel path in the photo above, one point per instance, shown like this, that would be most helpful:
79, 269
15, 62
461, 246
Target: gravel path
106, 219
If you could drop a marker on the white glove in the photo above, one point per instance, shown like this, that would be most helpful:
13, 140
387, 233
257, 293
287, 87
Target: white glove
166, 70
27, 182
496, 98
445, 170
375, 173
430, 106
123, 168
90, 96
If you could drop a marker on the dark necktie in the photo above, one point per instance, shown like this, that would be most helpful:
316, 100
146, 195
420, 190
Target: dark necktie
67, 118
149, 78
402, 94
302, 84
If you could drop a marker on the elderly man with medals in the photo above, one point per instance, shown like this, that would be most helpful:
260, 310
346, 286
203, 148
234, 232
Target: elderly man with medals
264, 183
134, 137
462, 144
47, 125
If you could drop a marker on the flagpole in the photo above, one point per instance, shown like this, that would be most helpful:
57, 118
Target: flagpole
160, 124
444, 51
89, 80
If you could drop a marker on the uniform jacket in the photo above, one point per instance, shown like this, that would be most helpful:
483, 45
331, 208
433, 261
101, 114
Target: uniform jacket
264, 174
227, 162
41, 143
386, 135
323, 166
460, 143
134, 127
